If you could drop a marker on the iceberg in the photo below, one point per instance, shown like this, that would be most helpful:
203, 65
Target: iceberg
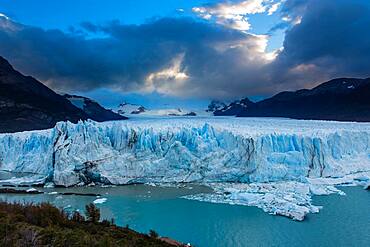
294, 155
287, 198
100, 200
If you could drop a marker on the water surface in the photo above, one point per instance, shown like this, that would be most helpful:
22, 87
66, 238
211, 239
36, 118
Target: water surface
343, 221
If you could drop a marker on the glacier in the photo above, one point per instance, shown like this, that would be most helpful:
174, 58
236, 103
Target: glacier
275, 164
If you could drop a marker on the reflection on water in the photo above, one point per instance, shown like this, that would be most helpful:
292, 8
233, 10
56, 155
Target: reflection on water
344, 220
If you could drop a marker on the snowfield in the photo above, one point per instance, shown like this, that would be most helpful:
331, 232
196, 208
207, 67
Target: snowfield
275, 164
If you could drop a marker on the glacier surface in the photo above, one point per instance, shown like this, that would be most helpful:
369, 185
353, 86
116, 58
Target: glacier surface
276, 164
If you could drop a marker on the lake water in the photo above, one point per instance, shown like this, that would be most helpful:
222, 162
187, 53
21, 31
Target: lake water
343, 221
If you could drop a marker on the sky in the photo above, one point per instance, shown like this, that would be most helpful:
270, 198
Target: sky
184, 53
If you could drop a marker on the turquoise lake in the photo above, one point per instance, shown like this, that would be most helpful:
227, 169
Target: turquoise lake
343, 221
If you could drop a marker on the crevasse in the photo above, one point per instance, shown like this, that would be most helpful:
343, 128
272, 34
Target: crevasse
176, 150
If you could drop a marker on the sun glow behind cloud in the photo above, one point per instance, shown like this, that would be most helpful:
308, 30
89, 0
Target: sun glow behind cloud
168, 79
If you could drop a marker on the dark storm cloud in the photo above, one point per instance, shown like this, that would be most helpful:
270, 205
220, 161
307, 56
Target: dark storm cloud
127, 54
186, 57
332, 40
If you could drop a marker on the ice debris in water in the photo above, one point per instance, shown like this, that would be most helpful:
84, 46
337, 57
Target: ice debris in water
100, 200
31, 190
287, 198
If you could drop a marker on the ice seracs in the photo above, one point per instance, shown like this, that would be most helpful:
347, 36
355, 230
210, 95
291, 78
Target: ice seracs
275, 164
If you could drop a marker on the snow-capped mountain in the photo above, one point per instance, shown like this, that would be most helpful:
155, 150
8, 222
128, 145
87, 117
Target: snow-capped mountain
234, 108
93, 109
215, 105
127, 108
171, 112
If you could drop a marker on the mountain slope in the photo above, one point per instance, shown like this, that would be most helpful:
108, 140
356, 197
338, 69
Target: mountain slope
215, 105
134, 109
27, 104
342, 99
127, 108
235, 108
93, 109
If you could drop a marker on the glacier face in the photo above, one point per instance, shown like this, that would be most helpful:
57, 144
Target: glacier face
188, 150
205, 150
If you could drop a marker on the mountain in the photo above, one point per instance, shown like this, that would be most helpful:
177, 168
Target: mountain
92, 109
235, 108
342, 99
215, 105
127, 108
27, 104
175, 112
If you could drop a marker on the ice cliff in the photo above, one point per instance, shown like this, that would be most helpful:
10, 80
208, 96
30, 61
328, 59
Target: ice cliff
205, 150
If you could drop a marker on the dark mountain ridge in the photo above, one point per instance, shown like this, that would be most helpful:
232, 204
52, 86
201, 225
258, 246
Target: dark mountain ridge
93, 109
235, 108
342, 99
27, 104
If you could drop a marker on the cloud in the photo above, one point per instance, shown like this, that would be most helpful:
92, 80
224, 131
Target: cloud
331, 40
294, 9
168, 80
235, 14
4, 16
188, 57
232, 15
274, 7
175, 56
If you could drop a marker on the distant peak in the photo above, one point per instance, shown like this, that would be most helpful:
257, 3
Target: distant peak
246, 101
215, 105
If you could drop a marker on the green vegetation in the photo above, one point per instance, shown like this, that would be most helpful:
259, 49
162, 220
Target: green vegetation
46, 225
92, 213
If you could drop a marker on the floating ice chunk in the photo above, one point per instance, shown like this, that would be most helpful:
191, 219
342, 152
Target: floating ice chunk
151, 184
287, 198
324, 190
100, 200
31, 190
